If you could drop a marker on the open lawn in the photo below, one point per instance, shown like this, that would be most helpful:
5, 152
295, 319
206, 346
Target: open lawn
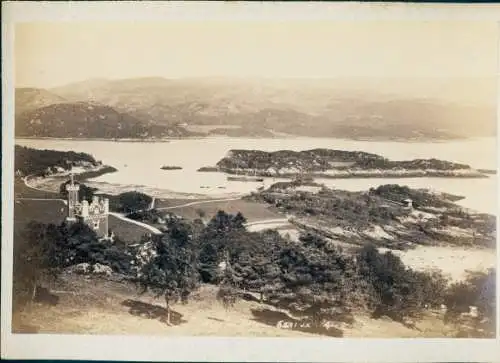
44, 211
23, 191
252, 211
126, 231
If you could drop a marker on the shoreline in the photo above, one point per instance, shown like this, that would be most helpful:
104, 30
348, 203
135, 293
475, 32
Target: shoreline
361, 174
52, 183
278, 136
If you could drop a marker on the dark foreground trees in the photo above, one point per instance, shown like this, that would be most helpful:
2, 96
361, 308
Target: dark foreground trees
477, 290
312, 279
395, 290
172, 272
42, 251
38, 256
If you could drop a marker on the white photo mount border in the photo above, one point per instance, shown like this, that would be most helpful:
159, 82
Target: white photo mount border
153, 348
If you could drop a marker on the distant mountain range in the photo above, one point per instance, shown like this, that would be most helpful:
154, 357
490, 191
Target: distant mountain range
158, 107
87, 120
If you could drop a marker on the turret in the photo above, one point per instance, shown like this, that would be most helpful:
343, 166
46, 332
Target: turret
85, 208
106, 205
72, 190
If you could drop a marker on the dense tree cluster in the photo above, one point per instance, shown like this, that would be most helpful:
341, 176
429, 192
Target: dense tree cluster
308, 160
358, 210
132, 202
44, 249
42, 162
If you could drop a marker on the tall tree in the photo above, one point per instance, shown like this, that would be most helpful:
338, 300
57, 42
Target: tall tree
39, 255
130, 202
172, 272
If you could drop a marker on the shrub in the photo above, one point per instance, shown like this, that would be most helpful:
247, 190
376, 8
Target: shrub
397, 291
477, 290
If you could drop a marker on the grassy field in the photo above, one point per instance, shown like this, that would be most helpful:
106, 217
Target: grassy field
97, 306
126, 231
251, 210
22, 191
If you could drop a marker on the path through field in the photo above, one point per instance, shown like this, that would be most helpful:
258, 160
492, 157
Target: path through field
152, 229
197, 203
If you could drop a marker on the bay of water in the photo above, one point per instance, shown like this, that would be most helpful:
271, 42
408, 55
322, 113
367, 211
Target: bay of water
139, 164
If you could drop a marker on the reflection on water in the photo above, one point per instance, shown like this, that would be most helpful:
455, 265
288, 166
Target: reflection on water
140, 163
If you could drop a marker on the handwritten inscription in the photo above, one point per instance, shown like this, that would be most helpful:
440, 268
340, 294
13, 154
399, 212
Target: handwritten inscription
284, 324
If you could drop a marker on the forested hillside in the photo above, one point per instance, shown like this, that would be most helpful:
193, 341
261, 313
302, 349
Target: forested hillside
87, 120
30, 161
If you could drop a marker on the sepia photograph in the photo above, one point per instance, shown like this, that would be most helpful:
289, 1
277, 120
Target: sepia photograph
252, 178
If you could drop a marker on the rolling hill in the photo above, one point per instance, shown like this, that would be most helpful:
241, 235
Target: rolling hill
28, 99
87, 120
347, 108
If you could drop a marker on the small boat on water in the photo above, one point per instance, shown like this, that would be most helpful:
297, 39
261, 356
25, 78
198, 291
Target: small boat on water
245, 178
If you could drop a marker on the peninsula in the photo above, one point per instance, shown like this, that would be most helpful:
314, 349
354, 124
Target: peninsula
328, 163
391, 216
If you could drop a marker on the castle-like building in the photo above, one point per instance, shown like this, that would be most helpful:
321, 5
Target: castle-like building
94, 214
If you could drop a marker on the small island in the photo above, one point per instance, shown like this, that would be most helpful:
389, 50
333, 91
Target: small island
208, 169
167, 167
328, 163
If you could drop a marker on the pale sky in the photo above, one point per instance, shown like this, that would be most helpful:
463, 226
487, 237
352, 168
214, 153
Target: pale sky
52, 54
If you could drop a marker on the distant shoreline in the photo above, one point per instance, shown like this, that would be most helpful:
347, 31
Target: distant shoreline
208, 136
362, 175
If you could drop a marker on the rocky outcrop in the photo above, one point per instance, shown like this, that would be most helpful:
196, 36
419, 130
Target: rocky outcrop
327, 163
90, 269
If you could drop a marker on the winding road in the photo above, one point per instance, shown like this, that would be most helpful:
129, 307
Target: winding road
60, 200
152, 229
199, 202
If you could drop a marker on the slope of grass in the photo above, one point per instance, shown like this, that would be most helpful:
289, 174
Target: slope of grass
23, 191
126, 231
102, 307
